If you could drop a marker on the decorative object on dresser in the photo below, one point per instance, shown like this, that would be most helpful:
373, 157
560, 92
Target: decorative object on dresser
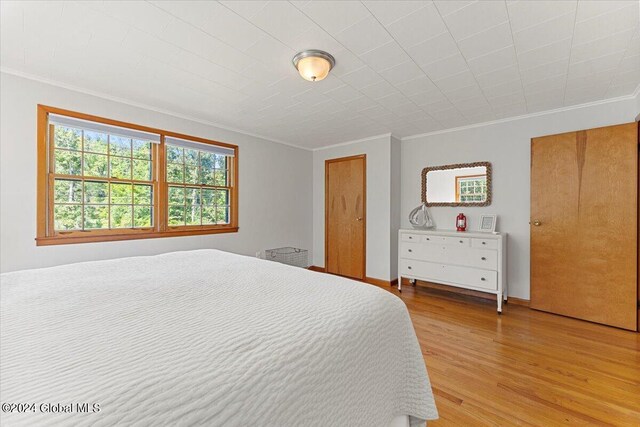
487, 223
477, 261
420, 217
462, 184
461, 222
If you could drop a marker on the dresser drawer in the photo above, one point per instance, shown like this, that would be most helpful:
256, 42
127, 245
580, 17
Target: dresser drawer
484, 243
410, 237
457, 241
470, 257
483, 279
452, 274
422, 252
421, 269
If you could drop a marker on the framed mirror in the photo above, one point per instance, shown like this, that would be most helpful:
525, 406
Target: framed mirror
463, 184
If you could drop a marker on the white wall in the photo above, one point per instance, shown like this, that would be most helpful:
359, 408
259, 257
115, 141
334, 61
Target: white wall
396, 211
507, 146
378, 151
275, 183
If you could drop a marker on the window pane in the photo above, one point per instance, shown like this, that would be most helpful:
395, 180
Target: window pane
67, 217
207, 161
221, 197
121, 216
120, 167
65, 137
95, 165
192, 196
141, 149
68, 162
207, 177
191, 156
221, 162
67, 191
119, 146
193, 215
176, 215
142, 170
142, 216
191, 174
175, 173
142, 195
174, 154
222, 215
208, 215
96, 142
220, 178
176, 195
96, 192
121, 194
208, 196
96, 216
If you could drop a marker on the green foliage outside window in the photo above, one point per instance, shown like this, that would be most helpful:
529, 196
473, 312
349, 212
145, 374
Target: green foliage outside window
87, 203
189, 174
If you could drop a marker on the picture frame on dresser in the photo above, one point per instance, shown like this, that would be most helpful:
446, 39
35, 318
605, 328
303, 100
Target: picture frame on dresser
487, 223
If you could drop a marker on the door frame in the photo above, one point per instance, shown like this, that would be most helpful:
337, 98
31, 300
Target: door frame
364, 209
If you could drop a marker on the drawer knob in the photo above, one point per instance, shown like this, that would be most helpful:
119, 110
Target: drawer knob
428, 238
410, 250
409, 267
410, 237
461, 241
482, 278
484, 258
484, 243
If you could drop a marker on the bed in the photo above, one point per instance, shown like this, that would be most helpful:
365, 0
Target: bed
206, 338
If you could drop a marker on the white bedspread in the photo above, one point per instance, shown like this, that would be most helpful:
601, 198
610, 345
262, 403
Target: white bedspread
206, 338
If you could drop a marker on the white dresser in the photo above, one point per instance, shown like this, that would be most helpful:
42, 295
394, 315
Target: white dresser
467, 260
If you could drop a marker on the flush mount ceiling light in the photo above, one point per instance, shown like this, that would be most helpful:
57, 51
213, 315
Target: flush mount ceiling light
313, 65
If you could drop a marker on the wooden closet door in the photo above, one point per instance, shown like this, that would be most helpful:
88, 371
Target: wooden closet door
345, 216
584, 207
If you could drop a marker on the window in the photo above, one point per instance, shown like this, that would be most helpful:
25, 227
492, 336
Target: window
472, 188
198, 182
102, 180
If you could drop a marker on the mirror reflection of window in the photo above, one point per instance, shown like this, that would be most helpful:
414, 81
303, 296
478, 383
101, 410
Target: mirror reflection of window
471, 188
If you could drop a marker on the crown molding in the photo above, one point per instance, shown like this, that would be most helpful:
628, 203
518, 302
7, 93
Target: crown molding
108, 97
353, 141
527, 116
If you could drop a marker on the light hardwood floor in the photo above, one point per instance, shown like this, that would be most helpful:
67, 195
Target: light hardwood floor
525, 367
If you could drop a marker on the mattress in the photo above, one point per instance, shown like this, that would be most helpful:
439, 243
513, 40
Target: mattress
205, 338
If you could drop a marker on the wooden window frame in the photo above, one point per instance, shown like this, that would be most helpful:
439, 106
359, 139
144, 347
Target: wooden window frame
45, 233
458, 179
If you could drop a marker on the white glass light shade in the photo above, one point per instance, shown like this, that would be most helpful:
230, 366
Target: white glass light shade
313, 65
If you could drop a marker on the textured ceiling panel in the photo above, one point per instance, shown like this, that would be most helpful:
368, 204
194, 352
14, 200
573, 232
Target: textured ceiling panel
405, 67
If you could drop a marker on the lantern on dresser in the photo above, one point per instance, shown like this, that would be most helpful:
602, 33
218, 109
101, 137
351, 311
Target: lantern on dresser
461, 222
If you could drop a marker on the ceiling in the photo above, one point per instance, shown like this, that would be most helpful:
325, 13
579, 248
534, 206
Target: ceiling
401, 67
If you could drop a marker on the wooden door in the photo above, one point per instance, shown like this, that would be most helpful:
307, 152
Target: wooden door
345, 216
584, 207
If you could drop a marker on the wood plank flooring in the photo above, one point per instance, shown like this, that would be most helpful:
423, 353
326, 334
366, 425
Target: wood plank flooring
524, 367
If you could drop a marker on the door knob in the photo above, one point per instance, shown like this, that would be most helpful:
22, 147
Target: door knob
359, 218
537, 223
